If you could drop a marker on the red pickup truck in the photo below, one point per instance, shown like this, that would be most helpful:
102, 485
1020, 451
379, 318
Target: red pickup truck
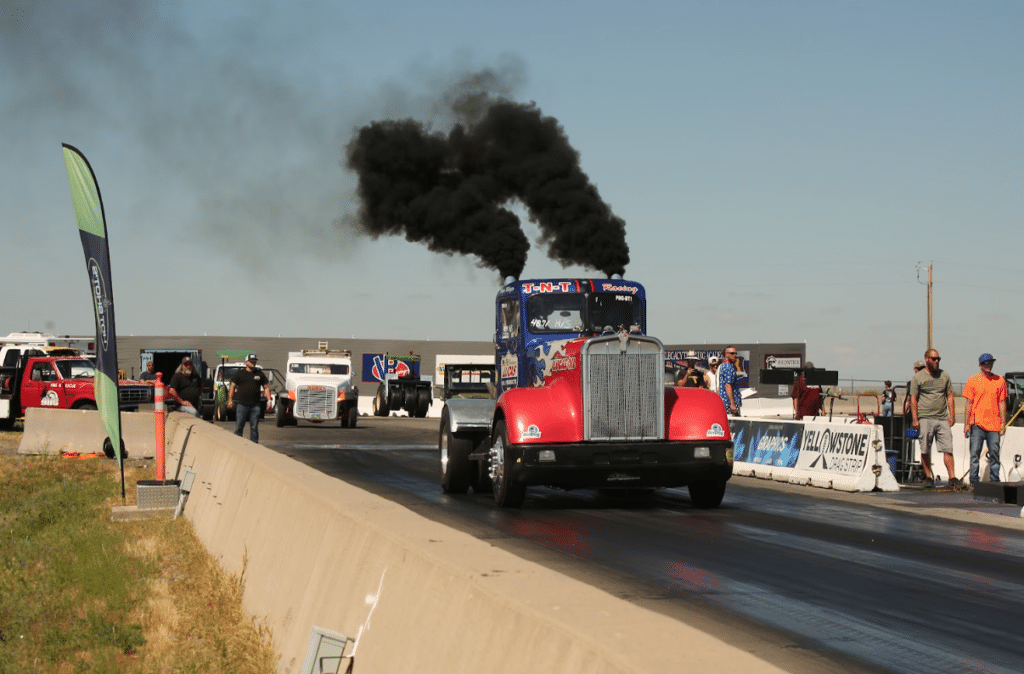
58, 381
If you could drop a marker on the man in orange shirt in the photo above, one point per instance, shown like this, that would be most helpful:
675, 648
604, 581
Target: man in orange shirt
985, 418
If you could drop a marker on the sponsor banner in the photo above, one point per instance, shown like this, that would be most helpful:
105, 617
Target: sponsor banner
824, 454
766, 443
377, 365
92, 229
844, 449
775, 361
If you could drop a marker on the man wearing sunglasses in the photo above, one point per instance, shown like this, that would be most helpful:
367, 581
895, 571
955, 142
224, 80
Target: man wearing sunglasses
985, 417
934, 412
728, 381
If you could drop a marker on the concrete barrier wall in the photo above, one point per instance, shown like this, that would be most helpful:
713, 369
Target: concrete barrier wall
56, 431
314, 549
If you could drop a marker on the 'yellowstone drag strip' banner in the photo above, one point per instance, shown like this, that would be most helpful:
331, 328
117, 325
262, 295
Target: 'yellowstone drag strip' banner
836, 455
92, 226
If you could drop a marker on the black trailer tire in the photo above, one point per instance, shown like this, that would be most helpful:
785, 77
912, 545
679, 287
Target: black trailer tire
422, 402
280, 414
707, 493
353, 416
507, 493
207, 412
453, 452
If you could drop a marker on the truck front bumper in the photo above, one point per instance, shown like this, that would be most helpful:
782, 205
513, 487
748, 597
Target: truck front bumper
624, 465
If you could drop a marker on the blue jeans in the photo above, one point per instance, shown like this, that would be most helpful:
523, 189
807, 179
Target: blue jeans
887, 409
979, 435
250, 413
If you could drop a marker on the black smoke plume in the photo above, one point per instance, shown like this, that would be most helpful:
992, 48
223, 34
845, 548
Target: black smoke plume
450, 191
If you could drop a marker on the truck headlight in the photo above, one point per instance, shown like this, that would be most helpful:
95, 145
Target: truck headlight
546, 455
702, 452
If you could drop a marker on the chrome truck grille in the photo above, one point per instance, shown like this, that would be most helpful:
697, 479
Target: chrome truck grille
623, 389
316, 402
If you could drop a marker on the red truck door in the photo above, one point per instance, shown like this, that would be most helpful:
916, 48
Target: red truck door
42, 387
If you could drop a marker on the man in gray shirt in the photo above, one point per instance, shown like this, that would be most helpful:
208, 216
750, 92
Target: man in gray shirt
934, 412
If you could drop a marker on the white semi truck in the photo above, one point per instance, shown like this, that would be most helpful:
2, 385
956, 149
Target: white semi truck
318, 388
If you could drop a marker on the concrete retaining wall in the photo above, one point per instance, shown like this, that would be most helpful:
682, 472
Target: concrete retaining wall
55, 431
314, 549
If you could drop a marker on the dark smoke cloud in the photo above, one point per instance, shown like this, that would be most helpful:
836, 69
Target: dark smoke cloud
449, 191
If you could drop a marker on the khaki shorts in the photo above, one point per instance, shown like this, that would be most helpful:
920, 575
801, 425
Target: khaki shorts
936, 430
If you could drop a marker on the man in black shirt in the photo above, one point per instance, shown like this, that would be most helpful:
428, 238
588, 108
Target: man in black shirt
244, 392
186, 387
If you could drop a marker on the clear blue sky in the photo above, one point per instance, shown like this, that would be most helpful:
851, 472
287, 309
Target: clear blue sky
782, 167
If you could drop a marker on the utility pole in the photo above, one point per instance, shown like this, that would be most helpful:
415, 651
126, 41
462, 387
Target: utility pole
929, 306
929, 300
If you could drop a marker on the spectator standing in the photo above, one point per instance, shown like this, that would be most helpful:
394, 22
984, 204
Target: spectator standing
728, 381
985, 417
186, 387
888, 399
713, 363
934, 411
150, 374
806, 399
694, 377
246, 386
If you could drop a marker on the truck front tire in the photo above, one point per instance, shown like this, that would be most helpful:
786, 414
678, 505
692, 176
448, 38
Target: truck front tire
280, 414
453, 451
507, 493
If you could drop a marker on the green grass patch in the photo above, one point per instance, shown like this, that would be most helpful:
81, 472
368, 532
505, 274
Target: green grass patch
80, 593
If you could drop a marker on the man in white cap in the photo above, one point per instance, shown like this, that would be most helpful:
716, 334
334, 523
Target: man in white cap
713, 363
985, 417
692, 376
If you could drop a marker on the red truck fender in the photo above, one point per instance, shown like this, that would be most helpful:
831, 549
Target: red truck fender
542, 414
695, 414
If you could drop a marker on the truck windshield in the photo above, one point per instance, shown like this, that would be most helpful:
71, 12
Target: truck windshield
318, 368
608, 312
557, 312
76, 369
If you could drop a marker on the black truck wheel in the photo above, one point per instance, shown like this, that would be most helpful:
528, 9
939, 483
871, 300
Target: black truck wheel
453, 451
380, 403
280, 414
353, 416
707, 493
507, 493
422, 402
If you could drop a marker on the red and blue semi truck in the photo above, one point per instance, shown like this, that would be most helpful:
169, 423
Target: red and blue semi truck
581, 402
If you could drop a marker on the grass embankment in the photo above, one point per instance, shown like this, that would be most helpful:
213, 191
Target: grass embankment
80, 593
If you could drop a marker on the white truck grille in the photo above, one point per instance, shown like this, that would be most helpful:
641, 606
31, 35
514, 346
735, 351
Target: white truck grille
316, 402
623, 389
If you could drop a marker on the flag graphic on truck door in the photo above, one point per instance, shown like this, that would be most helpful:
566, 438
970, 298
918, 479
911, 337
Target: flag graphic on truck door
92, 226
